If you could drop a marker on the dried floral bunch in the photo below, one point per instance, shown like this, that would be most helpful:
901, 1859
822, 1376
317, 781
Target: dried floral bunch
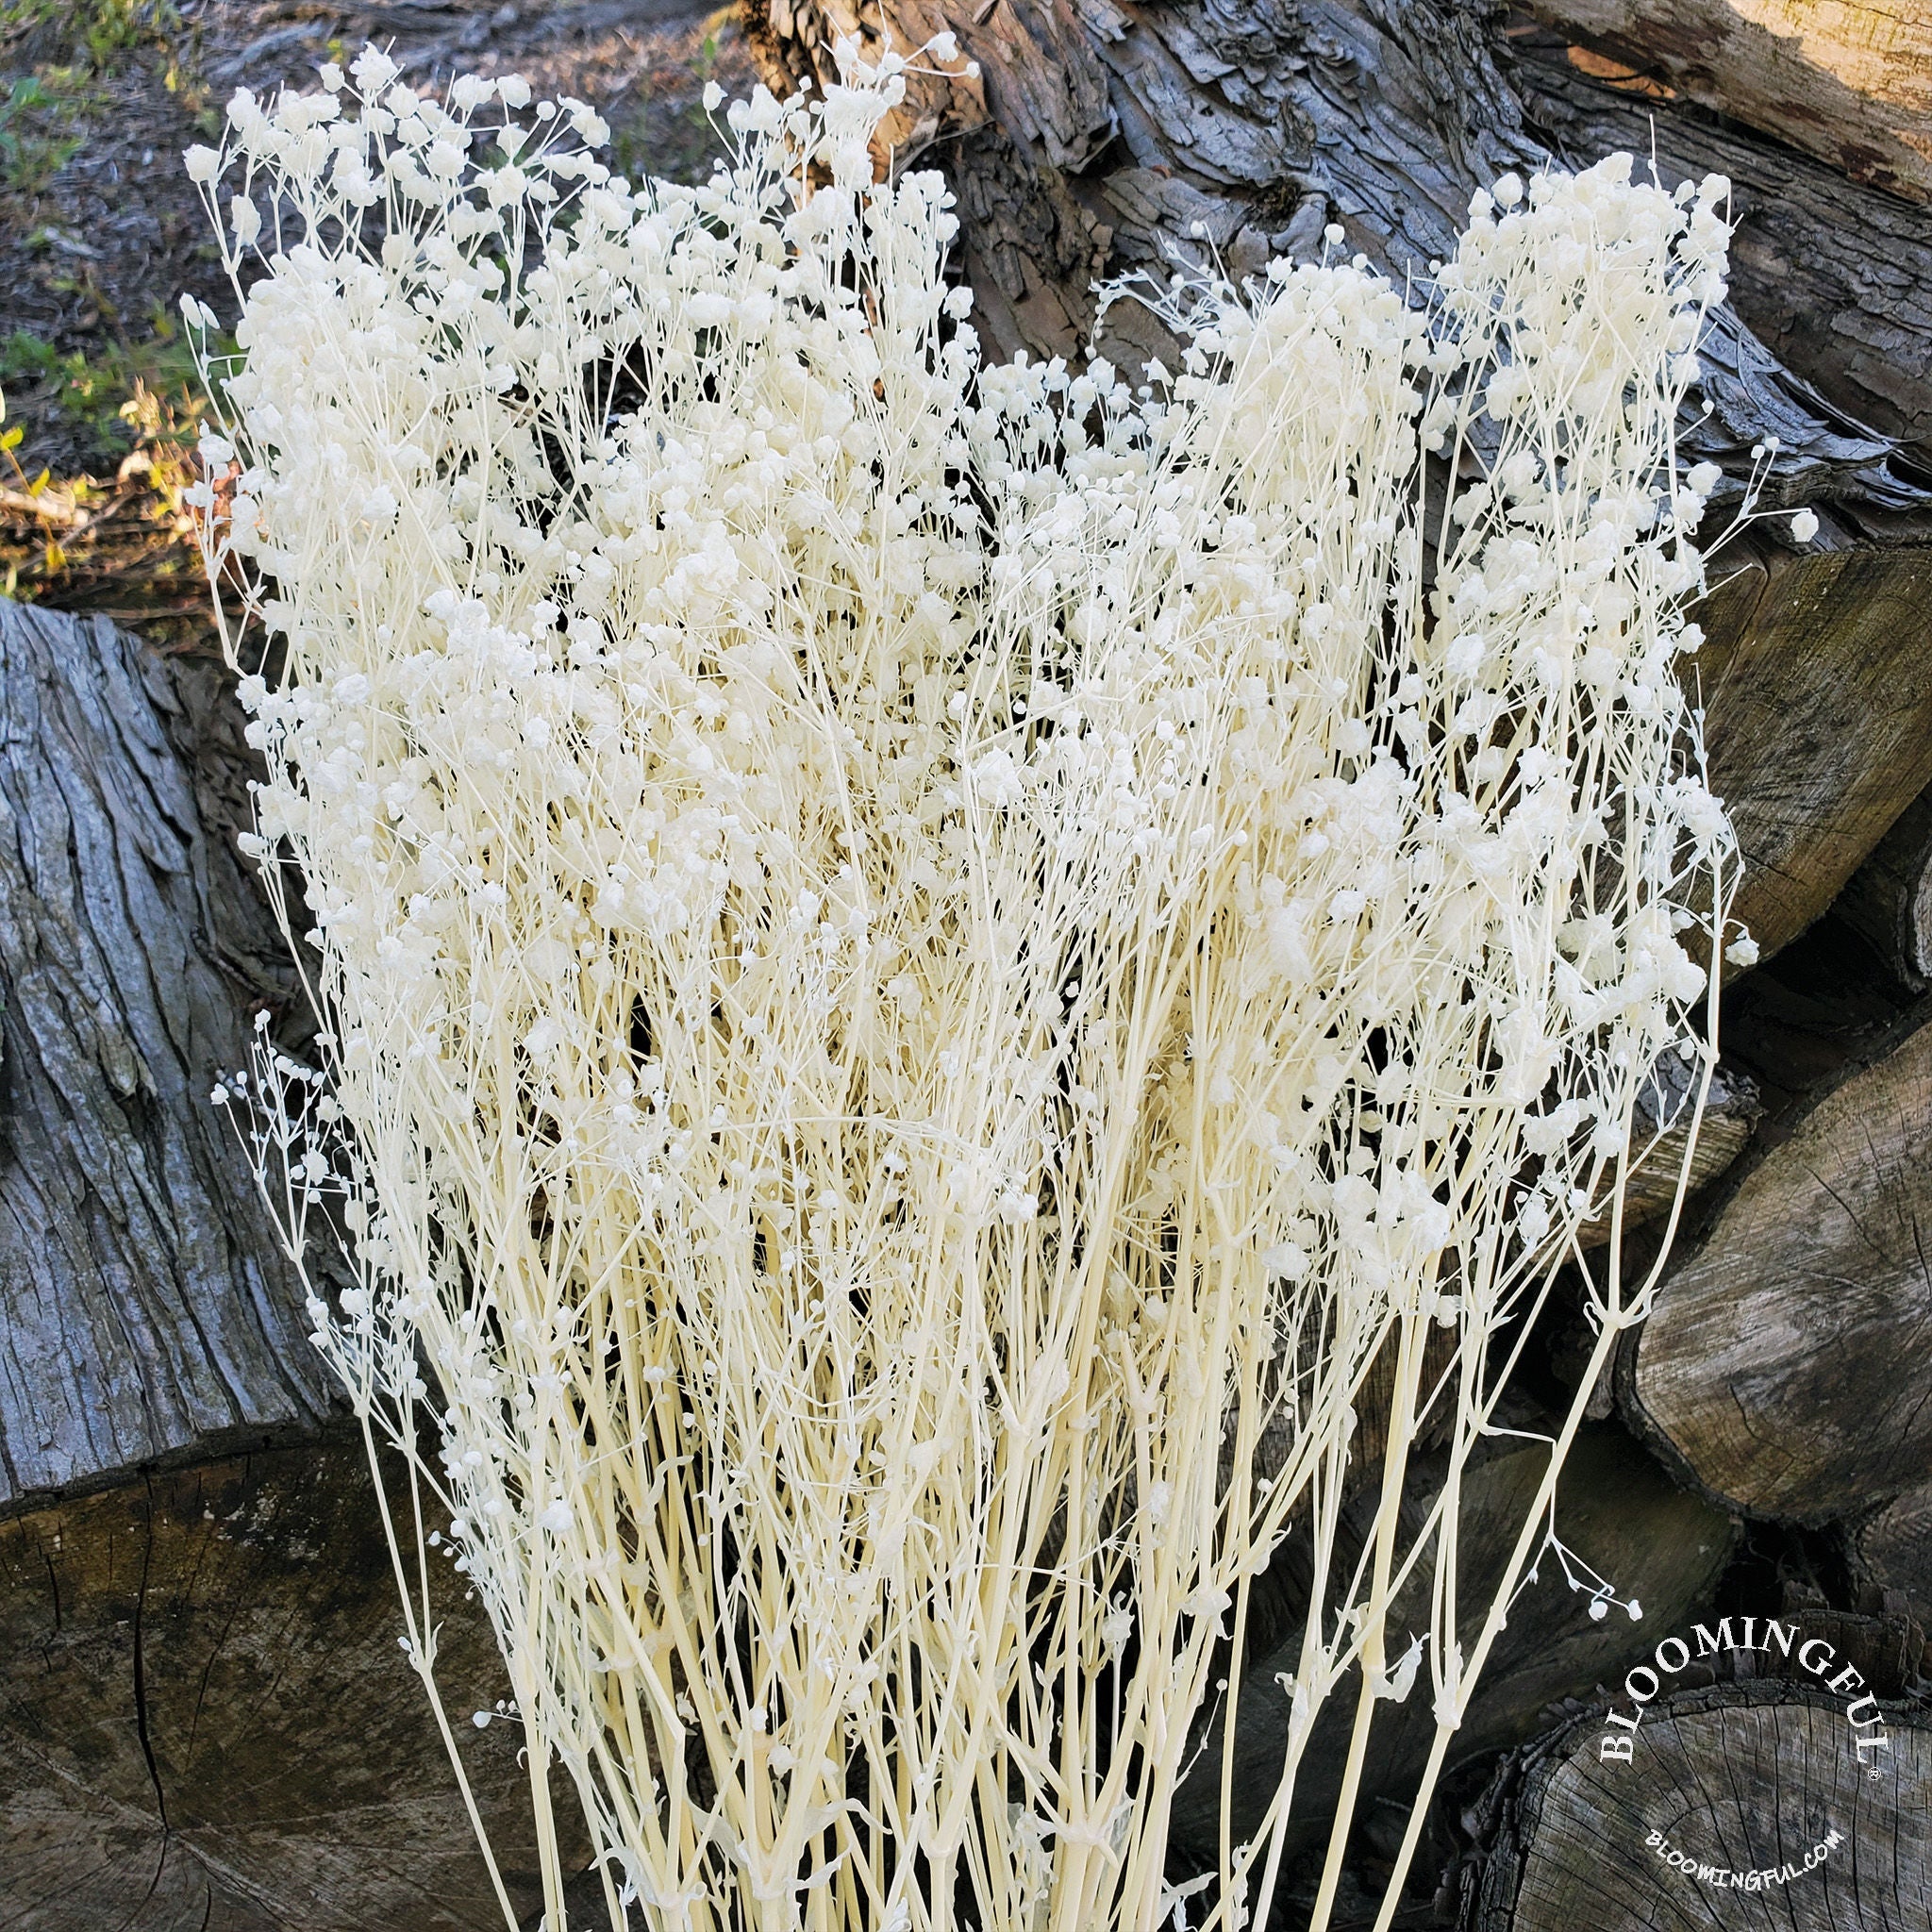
956, 998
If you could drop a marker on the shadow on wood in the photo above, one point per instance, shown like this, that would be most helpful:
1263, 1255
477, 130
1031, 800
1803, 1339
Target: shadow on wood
1889, 898
1847, 83
1783, 1366
1616, 1511
205, 1721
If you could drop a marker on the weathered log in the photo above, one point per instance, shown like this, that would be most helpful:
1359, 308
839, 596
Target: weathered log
1816, 678
1616, 1513
1741, 1781
1099, 133
205, 1720
143, 1304
1850, 83
1890, 897
1781, 1368
1835, 279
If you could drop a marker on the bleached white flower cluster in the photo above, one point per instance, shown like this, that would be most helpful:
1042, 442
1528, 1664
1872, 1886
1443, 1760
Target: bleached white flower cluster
933, 972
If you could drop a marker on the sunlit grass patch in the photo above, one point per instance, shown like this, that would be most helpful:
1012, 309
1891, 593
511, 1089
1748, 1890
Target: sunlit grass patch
110, 535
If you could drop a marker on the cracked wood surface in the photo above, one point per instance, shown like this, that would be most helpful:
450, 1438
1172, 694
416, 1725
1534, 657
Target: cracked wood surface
1783, 1368
1747, 1777
1816, 678
145, 1312
1099, 131
207, 1726
1848, 82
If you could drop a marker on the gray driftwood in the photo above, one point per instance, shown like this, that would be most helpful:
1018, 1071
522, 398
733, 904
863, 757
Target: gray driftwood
1783, 1368
1664, 1108
144, 1311
1891, 1550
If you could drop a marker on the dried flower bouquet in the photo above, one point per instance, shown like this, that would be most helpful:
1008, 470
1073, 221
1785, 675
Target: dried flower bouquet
933, 975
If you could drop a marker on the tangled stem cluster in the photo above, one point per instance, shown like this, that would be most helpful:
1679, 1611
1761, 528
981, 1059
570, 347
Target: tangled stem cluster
956, 998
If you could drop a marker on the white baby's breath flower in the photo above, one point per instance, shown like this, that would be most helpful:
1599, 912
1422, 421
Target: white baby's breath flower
912, 951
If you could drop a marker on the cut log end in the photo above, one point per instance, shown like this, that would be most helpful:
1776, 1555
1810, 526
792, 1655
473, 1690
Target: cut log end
1739, 1806
206, 1718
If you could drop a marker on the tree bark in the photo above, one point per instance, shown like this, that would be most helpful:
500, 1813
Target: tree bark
1781, 1368
146, 1312
205, 1719
1835, 276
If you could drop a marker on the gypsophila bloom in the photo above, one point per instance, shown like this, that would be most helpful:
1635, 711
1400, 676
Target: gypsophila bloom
934, 977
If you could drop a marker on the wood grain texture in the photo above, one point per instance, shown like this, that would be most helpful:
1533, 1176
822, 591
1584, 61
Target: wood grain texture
1615, 1511
1747, 1777
1836, 279
1845, 81
206, 1724
1890, 897
144, 1309
1816, 680
1783, 1367
1101, 130
1891, 1550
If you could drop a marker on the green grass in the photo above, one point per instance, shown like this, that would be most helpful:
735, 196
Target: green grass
99, 32
36, 140
72, 49
95, 392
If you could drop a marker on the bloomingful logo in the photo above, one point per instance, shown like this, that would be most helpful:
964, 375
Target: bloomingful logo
1676, 1655
1816, 1658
